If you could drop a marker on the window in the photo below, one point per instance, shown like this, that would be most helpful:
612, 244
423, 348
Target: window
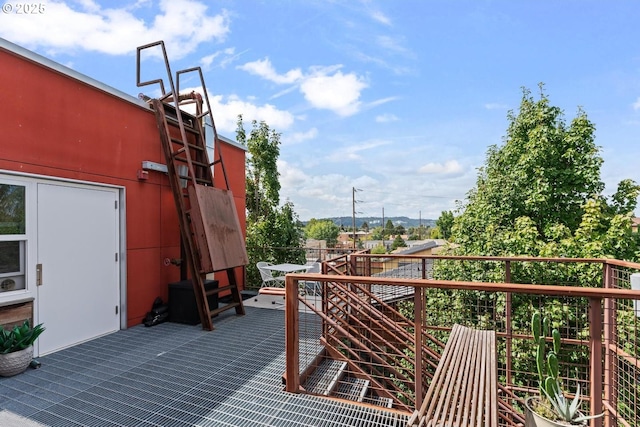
12, 215
12, 237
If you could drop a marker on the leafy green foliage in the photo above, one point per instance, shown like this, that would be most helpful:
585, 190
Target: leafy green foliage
398, 242
542, 187
419, 233
19, 338
444, 224
538, 195
379, 250
322, 230
274, 232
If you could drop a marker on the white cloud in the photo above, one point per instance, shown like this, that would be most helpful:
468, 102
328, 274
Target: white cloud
263, 68
339, 92
380, 17
226, 110
298, 137
182, 24
393, 45
386, 118
352, 152
636, 105
222, 58
450, 167
325, 88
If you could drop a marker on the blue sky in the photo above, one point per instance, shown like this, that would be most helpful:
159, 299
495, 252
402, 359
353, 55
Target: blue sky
399, 99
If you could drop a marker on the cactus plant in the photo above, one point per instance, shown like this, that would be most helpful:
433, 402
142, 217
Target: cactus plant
548, 374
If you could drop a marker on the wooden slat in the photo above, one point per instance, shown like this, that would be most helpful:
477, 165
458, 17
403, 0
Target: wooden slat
16, 314
463, 391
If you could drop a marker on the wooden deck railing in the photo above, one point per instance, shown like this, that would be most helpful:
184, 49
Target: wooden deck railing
364, 321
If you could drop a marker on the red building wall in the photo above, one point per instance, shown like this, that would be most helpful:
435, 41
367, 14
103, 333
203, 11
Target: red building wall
55, 125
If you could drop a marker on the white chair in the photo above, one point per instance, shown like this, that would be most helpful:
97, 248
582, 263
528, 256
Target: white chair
268, 279
312, 287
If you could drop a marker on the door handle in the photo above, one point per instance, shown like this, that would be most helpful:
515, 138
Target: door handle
38, 274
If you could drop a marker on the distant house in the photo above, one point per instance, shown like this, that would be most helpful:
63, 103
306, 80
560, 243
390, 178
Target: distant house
315, 249
635, 222
422, 247
345, 239
90, 234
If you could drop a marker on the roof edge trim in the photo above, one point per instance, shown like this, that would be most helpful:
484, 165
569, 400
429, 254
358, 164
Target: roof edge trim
62, 69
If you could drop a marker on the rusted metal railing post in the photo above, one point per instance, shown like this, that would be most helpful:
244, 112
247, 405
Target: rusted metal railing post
292, 336
419, 309
609, 360
353, 265
367, 268
595, 348
508, 327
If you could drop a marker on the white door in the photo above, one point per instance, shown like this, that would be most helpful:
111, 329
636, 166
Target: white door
79, 295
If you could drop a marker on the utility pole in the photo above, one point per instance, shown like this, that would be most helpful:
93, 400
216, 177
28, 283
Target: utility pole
383, 226
353, 198
419, 225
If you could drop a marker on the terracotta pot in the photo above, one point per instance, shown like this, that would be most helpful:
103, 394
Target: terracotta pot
16, 362
532, 419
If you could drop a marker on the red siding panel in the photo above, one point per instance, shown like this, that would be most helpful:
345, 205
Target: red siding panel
55, 125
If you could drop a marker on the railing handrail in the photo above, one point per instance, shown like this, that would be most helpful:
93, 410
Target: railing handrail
518, 288
559, 260
601, 310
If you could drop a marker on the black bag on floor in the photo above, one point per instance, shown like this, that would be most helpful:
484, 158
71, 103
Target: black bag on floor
159, 313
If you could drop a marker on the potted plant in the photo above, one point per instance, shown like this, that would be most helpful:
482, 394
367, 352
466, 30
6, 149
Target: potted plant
552, 408
16, 348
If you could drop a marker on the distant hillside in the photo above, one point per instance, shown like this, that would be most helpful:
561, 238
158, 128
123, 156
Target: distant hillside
373, 222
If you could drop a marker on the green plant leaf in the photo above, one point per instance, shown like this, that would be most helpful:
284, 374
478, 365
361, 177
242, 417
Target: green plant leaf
536, 326
552, 363
556, 340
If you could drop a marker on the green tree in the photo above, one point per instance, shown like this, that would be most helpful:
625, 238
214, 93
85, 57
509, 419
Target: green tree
379, 250
389, 228
546, 172
418, 233
274, 232
323, 230
539, 194
365, 226
377, 233
398, 242
444, 224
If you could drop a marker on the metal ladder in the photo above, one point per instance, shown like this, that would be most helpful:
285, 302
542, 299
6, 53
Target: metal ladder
209, 227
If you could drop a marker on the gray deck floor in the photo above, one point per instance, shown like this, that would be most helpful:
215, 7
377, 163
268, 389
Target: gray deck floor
179, 375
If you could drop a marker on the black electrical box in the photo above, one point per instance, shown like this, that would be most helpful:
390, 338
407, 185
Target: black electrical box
182, 301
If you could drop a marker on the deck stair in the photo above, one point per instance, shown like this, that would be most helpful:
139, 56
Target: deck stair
330, 378
351, 388
373, 399
325, 377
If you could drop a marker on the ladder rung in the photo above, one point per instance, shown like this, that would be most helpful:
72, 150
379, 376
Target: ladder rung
218, 290
188, 126
191, 146
195, 163
223, 308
